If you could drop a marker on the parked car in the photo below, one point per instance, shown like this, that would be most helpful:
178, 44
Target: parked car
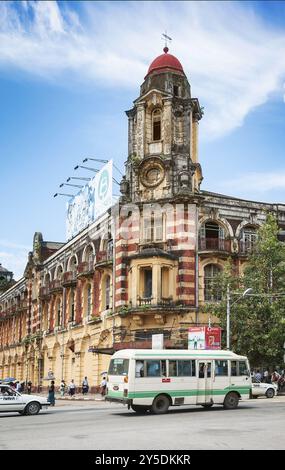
10, 400
260, 389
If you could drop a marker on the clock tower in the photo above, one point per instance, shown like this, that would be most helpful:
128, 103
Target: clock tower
163, 136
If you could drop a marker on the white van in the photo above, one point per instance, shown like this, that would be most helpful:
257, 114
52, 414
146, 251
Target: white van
148, 379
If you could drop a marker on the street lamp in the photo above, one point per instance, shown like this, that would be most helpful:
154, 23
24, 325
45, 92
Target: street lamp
246, 292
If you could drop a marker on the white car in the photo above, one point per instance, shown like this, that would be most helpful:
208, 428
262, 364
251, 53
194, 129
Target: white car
260, 388
10, 400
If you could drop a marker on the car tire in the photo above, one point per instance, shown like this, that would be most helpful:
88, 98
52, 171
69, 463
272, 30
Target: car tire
160, 405
140, 409
270, 393
32, 408
231, 401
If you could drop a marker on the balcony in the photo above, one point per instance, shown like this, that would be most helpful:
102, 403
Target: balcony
69, 278
246, 247
23, 306
85, 269
45, 292
56, 286
104, 258
214, 244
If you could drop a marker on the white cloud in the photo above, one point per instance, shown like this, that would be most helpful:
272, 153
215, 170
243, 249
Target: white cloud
14, 257
234, 61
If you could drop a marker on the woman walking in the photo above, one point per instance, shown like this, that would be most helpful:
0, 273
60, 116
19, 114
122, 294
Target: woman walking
51, 397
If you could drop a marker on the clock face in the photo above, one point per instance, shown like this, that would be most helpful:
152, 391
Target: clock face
152, 173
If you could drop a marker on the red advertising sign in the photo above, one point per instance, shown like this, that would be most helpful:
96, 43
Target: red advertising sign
213, 337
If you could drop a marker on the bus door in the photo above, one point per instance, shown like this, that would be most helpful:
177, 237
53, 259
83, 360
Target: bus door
204, 392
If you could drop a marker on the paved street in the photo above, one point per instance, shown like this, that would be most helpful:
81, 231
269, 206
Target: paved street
256, 424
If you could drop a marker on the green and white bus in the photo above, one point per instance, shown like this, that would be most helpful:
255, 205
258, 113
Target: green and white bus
153, 380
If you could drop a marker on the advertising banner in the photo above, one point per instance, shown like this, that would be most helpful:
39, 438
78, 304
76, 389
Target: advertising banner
204, 337
91, 202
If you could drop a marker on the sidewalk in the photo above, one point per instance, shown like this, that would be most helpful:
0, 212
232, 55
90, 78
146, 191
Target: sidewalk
77, 397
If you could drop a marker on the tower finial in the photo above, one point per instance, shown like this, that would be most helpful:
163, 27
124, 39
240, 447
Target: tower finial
166, 39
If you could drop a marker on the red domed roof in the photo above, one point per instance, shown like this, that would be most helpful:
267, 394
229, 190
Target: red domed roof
165, 61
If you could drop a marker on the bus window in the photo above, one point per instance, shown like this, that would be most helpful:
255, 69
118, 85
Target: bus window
156, 368
172, 368
243, 368
234, 368
153, 368
119, 367
139, 369
201, 370
186, 368
221, 367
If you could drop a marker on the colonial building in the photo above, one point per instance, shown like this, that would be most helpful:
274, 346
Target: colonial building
146, 266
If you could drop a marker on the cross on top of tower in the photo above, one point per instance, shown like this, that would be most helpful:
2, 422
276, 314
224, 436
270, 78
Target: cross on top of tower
166, 40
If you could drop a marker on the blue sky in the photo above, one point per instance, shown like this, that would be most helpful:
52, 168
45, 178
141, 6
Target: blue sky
69, 70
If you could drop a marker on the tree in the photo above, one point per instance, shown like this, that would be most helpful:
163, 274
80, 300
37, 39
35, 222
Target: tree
258, 320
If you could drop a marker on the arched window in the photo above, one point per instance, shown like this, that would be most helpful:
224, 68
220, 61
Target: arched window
107, 292
249, 238
88, 301
212, 291
211, 236
156, 124
72, 306
58, 313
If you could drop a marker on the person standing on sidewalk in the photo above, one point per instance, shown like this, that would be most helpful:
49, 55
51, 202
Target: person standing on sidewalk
62, 388
103, 387
51, 390
85, 386
71, 388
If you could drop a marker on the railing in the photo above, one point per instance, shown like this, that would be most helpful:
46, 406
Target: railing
214, 244
160, 302
246, 247
69, 278
45, 291
144, 300
104, 256
56, 285
87, 267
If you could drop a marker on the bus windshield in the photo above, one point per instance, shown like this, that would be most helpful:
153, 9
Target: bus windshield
119, 367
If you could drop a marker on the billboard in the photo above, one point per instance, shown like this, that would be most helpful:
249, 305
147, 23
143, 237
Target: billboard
204, 337
91, 201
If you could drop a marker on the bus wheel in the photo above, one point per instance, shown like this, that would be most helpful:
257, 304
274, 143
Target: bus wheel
231, 401
140, 409
160, 404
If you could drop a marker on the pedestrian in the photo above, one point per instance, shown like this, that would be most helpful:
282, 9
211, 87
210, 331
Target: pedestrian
71, 388
258, 375
51, 390
85, 386
29, 387
266, 376
18, 386
103, 386
62, 388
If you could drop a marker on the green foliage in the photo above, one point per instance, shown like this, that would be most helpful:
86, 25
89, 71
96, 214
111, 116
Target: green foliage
258, 320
